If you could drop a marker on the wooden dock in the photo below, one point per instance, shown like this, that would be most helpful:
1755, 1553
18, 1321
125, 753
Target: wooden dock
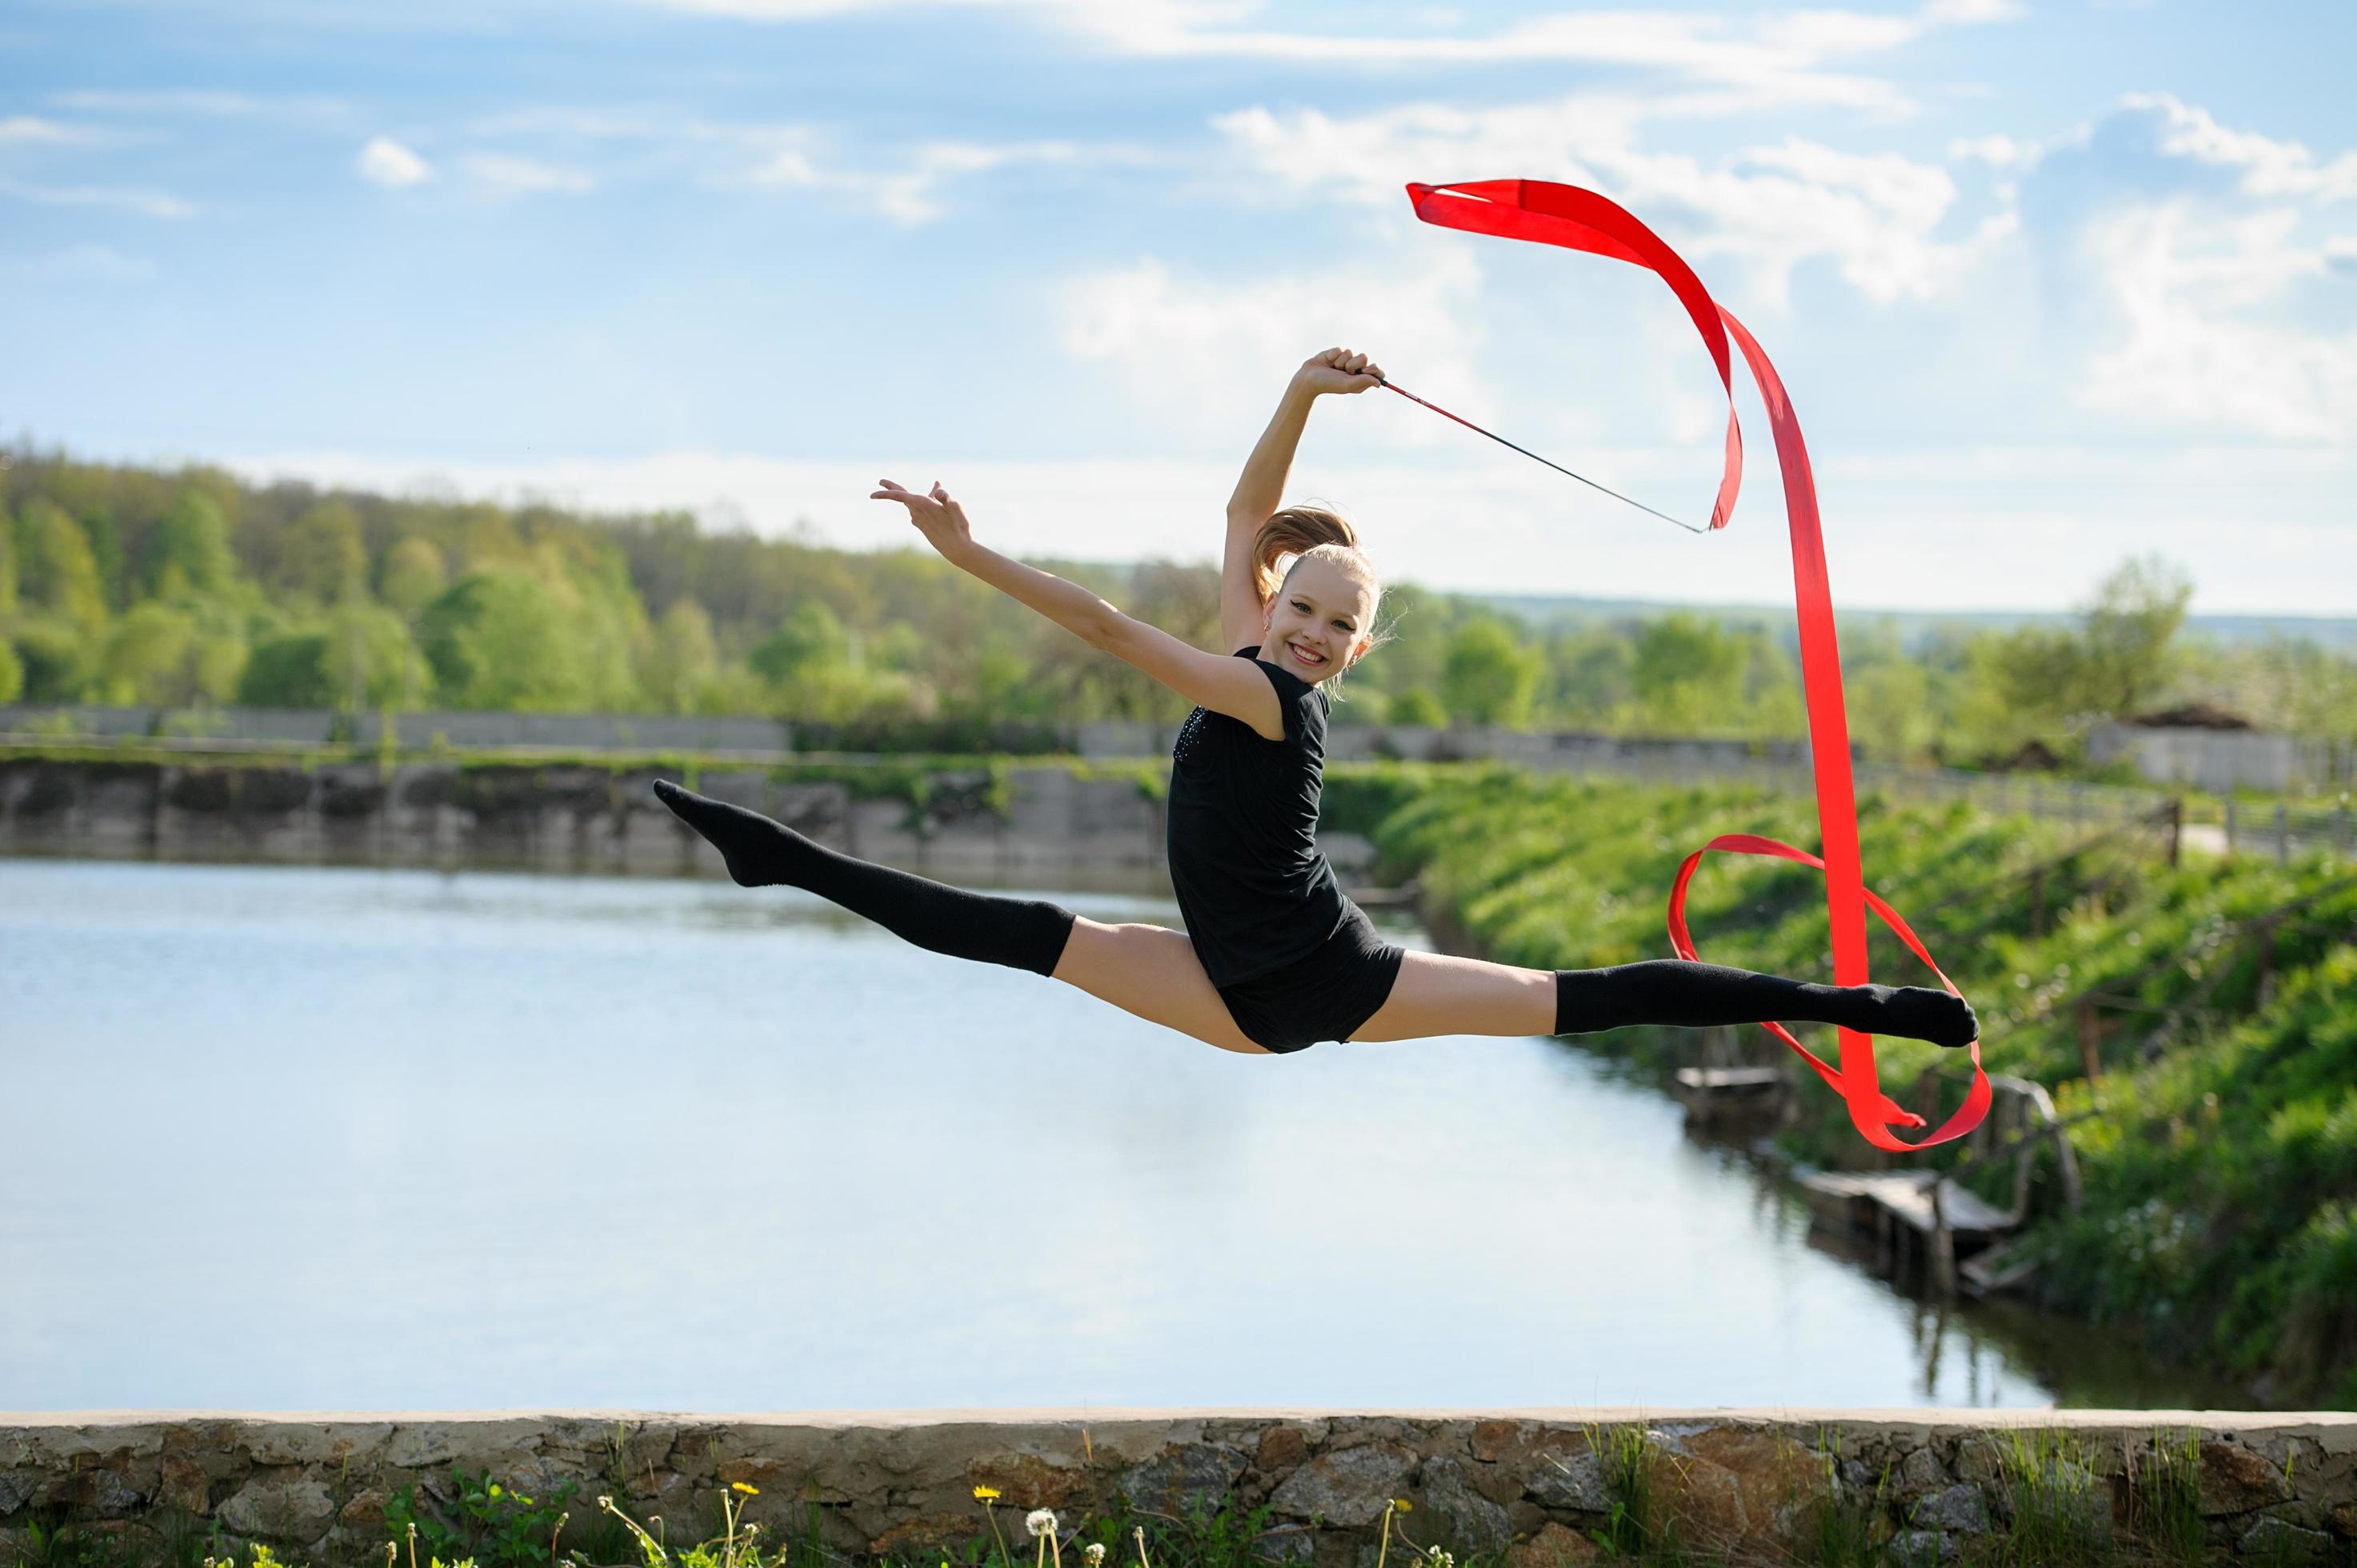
1729, 1097
1915, 1221
1858, 1197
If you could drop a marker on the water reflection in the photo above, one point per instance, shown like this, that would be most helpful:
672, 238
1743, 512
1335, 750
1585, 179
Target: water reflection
310, 1139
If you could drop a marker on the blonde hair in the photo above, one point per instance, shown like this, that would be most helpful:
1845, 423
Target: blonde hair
1301, 534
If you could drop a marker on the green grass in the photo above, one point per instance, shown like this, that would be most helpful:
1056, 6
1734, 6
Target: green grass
2219, 1155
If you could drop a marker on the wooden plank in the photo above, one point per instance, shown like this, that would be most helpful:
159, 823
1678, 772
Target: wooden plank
1906, 1196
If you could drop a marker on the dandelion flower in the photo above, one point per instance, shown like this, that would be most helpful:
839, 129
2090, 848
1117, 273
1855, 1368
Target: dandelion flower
750, 1491
1095, 1554
984, 1494
1040, 1521
1402, 1504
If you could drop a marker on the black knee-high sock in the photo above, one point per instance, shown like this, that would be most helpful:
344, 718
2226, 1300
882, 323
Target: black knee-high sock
1021, 933
1674, 991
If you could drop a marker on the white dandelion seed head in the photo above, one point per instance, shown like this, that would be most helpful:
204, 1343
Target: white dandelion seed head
1095, 1554
1040, 1521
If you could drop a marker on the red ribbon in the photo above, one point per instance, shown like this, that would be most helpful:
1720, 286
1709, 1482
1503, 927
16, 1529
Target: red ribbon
1580, 220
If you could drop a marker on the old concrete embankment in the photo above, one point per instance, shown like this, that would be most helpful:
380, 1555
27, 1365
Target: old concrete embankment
1008, 820
1740, 1486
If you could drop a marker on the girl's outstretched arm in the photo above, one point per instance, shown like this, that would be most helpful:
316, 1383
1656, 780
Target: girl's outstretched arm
1223, 684
1261, 488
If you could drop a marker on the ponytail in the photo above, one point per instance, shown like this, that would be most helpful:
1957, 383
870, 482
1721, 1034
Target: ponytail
1293, 532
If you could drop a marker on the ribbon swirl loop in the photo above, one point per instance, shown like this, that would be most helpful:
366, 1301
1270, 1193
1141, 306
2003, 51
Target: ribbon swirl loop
1577, 220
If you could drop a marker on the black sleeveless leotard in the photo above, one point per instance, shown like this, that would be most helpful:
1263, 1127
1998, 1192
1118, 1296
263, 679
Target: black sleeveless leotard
1296, 960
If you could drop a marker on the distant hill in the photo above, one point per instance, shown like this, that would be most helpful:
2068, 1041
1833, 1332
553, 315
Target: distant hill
1914, 627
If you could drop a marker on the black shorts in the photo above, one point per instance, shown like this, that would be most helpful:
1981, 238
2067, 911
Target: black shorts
1323, 996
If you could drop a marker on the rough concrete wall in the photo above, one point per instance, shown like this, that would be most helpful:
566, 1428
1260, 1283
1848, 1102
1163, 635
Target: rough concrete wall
1745, 1485
553, 818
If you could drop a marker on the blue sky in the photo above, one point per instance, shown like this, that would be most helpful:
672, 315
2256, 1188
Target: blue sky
2050, 282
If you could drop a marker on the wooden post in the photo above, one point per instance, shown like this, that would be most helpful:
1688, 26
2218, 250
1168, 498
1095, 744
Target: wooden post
2229, 825
2091, 1039
2283, 834
1943, 1261
2176, 828
2267, 988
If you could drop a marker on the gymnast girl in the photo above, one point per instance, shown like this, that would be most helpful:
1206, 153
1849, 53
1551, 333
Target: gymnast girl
1275, 957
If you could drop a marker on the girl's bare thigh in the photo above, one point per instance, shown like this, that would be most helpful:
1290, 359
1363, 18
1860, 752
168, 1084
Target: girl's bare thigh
1439, 994
1153, 972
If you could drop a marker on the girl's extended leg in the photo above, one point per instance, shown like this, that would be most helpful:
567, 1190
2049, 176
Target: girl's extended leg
1153, 972
1144, 970
1437, 994
1021, 933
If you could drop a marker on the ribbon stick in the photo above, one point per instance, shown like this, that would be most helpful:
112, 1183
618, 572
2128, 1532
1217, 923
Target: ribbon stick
1579, 220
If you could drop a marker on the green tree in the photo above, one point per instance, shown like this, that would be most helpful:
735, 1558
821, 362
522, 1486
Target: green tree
1489, 677
2129, 631
372, 659
55, 569
1890, 707
188, 551
106, 549
500, 638
683, 656
411, 576
287, 673
60, 659
162, 655
1590, 676
321, 556
1688, 674
811, 638
7, 564
1416, 706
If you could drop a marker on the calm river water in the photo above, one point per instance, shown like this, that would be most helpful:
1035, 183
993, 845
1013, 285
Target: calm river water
328, 1139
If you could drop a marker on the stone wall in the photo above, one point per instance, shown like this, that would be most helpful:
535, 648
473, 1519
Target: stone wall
1537, 1486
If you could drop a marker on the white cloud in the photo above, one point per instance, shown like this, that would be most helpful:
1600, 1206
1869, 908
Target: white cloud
1997, 150
21, 129
146, 203
2197, 348
203, 103
2270, 168
1781, 52
507, 175
1208, 355
910, 192
104, 263
387, 163
1876, 217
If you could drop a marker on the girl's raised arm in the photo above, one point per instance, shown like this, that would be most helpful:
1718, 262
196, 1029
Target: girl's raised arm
1225, 685
1261, 488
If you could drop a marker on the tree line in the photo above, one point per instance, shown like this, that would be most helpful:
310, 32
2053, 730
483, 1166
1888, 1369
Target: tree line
130, 585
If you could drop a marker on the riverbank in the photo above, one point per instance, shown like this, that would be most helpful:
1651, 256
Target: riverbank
972, 817
2197, 1025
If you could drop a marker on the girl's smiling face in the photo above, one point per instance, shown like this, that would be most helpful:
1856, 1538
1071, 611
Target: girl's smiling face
1318, 622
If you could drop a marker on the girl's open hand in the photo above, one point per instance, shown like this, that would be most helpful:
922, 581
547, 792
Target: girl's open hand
1339, 370
936, 514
